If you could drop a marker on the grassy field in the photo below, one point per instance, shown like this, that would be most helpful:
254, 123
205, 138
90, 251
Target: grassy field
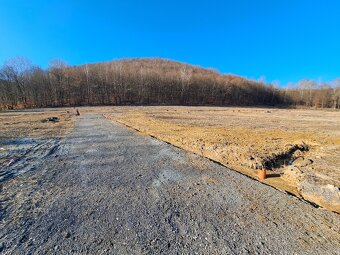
300, 148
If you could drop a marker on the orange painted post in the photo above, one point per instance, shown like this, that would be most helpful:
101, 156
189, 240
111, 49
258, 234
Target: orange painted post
262, 174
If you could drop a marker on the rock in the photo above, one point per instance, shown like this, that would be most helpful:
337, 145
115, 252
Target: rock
292, 174
9, 162
327, 196
297, 154
67, 234
2, 246
23, 239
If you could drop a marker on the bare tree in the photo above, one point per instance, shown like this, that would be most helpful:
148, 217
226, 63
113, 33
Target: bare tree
56, 72
185, 77
14, 71
307, 85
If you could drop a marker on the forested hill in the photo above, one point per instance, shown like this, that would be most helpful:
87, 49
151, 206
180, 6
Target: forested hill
132, 82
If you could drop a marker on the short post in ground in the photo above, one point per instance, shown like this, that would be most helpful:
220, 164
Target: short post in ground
262, 173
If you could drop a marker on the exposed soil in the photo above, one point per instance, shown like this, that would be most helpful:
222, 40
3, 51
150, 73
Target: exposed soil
300, 148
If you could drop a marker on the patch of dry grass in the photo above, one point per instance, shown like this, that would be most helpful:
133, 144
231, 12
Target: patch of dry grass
16, 124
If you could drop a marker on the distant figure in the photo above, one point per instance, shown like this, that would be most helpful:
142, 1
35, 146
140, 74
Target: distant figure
78, 112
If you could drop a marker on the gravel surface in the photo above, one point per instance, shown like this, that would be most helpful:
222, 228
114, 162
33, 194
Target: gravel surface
23, 154
108, 190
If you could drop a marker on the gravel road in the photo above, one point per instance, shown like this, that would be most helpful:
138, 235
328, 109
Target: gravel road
108, 190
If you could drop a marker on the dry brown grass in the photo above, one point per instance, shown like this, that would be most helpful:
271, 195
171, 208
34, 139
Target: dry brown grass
29, 124
245, 139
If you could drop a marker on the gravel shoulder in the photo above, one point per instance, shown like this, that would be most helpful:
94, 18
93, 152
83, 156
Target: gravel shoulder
108, 190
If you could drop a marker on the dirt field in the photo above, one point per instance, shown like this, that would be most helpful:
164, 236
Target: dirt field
300, 148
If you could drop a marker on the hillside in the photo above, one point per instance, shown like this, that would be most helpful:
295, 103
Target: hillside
131, 81
144, 81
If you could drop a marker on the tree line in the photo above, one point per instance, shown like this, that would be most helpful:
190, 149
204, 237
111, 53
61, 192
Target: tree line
308, 93
144, 82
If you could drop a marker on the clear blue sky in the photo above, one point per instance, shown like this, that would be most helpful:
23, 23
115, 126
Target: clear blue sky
281, 40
